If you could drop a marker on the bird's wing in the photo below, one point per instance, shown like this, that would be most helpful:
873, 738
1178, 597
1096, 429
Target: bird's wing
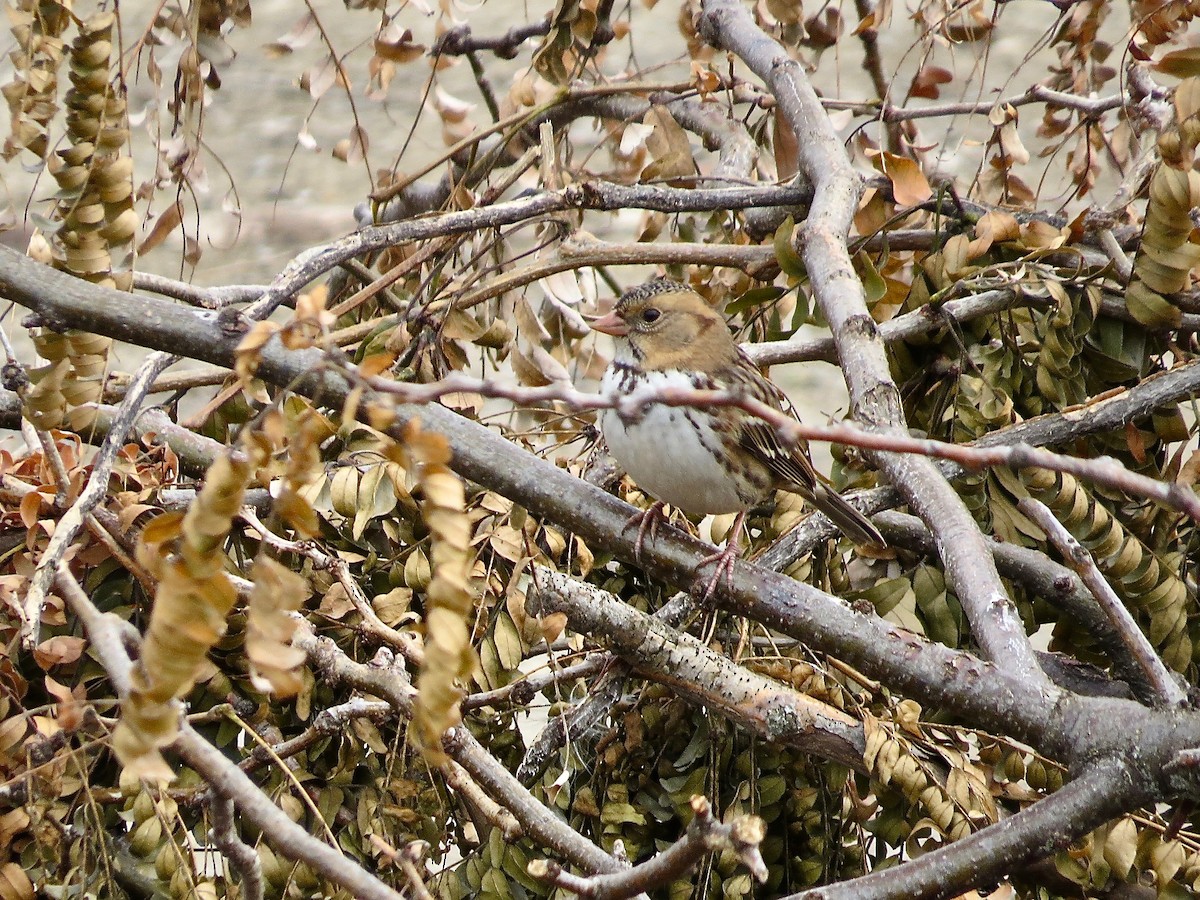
790, 465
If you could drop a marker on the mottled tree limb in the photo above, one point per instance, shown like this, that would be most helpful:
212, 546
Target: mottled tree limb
875, 399
1101, 793
661, 653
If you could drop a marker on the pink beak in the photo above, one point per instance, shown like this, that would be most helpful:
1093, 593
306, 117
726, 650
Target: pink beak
610, 324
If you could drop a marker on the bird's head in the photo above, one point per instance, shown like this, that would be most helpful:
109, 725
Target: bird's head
664, 325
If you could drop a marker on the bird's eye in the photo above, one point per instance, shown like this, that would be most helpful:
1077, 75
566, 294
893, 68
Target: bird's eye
651, 314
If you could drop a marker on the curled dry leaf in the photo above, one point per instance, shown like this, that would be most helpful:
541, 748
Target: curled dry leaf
394, 43
274, 662
449, 599
193, 598
927, 82
354, 147
909, 184
168, 220
248, 351
58, 650
670, 149
300, 35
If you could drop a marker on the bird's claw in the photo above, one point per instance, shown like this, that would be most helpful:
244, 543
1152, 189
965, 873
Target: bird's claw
724, 560
647, 522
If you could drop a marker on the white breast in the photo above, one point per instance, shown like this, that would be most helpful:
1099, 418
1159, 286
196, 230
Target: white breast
669, 450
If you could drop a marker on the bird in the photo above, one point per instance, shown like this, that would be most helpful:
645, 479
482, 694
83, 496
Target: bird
703, 461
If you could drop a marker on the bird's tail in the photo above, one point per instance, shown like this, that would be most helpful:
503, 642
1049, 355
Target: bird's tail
849, 520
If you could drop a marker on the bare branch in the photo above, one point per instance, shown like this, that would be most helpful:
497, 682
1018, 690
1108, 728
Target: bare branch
659, 652
1167, 690
327, 722
459, 41
205, 298
241, 856
876, 401
705, 835
1103, 791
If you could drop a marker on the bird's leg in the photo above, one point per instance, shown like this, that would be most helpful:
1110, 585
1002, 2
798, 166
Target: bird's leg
725, 559
647, 522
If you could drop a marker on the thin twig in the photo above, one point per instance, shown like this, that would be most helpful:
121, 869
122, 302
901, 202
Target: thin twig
108, 633
705, 835
118, 383
522, 691
203, 297
407, 643
1102, 470
1088, 106
327, 722
1167, 689
241, 855
93, 492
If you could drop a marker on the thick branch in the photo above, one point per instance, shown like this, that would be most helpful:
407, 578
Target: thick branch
983, 695
663, 654
969, 568
1106, 790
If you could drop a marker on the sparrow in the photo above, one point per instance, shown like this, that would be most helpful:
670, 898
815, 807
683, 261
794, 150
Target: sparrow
702, 460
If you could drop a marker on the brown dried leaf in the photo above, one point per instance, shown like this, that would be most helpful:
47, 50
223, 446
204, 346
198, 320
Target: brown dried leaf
669, 147
274, 662
248, 350
168, 220
300, 35
395, 44
354, 147
14, 883
1183, 63
926, 83
58, 650
909, 185
552, 626
320, 78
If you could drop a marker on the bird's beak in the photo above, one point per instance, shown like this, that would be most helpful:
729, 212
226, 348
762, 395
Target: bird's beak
610, 324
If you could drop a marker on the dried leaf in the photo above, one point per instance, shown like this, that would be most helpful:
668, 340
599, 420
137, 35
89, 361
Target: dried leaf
352, 148
670, 149
909, 185
168, 220
58, 650
277, 592
926, 83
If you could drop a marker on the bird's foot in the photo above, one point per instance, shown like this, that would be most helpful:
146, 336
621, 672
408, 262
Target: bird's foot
724, 560
647, 522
